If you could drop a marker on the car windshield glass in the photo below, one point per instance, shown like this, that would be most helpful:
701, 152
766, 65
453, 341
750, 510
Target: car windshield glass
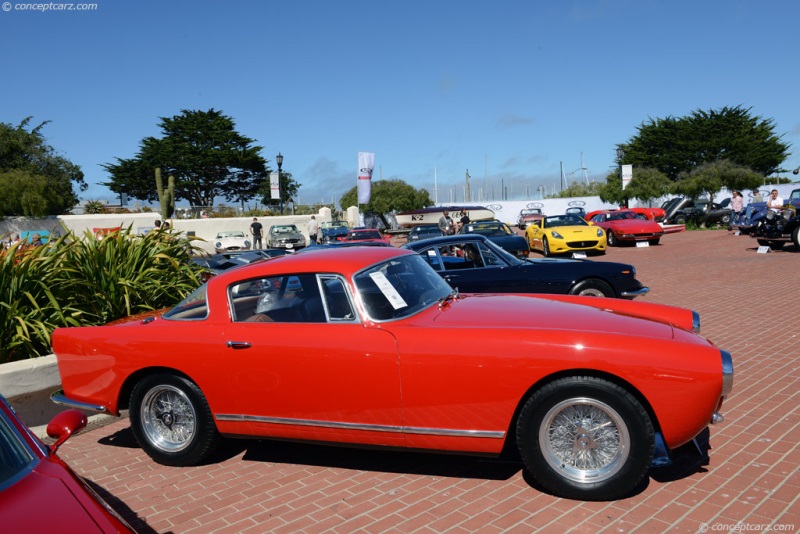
487, 229
194, 306
399, 288
621, 215
15, 456
564, 220
222, 235
284, 229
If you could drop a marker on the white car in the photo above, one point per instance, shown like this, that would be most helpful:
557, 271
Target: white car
231, 240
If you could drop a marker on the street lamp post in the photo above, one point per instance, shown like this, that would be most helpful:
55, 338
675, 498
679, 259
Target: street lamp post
279, 161
620, 156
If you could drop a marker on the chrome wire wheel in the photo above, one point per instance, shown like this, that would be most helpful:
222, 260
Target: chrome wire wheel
168, 418
584, 440
592, 292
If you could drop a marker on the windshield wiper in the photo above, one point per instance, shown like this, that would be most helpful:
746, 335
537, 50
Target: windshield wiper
453, 295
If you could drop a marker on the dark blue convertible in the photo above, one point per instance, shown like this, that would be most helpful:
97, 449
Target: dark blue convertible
473, 264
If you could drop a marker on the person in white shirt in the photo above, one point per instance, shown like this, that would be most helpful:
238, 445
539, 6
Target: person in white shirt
774, 202
313, 228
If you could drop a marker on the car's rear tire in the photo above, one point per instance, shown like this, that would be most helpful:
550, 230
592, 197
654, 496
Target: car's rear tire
611, 239
545, 247
592, 288
796, 238
585, 438
171, 420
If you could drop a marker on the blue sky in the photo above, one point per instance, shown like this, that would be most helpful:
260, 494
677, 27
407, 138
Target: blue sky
505, 89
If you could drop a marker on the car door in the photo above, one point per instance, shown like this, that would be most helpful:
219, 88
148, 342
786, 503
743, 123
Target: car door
535, 232
314, 374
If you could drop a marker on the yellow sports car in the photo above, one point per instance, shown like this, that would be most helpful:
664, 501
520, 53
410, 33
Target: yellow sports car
565, 233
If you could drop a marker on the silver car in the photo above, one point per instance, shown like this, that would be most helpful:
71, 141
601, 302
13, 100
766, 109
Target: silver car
286, 236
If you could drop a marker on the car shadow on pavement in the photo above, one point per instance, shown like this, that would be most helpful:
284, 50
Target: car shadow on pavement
139, 524
381, 460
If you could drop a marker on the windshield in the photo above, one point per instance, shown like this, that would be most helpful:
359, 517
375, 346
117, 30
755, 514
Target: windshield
621, 215
399, 288
15, 456
222, 235
284, 229
564, 220
488, 229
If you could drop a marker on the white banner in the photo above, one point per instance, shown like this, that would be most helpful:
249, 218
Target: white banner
627, 175
366, 163
274, 186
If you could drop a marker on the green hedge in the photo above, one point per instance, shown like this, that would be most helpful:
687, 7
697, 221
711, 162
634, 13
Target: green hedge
72, 282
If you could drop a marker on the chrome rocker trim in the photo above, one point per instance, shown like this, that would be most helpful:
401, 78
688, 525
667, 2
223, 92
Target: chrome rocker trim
360, 426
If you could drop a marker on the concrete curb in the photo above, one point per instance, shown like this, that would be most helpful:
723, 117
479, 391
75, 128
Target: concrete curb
27, 386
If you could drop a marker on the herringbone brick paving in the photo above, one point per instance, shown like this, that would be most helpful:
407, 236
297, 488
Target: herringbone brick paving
747, 302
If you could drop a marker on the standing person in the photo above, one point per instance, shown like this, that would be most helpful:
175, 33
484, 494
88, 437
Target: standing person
774, 202
446, 223
313, 228
757, 196
737, 205
256, 229
464, 220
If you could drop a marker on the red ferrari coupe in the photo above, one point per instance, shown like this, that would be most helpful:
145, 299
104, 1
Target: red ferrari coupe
626, 226
370, 346
365, 235
38, 491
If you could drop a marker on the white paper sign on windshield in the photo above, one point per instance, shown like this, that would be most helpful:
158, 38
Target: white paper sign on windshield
388, 290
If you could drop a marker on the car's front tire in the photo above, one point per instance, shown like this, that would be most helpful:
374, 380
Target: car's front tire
171, 420
611, 239
585, 438
592, 288
545, 247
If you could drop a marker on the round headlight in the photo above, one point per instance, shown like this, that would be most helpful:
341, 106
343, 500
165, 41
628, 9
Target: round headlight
246, 243
218, 244
770, 215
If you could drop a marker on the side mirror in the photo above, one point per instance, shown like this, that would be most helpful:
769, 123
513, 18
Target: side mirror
64, 425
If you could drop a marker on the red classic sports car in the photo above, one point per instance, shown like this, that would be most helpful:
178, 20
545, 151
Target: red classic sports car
38, 491
651, 214
626, 226
370, 346
366, 235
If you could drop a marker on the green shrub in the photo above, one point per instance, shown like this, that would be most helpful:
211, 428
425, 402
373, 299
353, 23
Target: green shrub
89, 282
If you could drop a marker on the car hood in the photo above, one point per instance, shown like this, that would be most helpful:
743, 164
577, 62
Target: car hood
586, 314
46, 490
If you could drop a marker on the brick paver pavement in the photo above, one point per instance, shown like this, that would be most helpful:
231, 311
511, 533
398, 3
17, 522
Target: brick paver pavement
747, 303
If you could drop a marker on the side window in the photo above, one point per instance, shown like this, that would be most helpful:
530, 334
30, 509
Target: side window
489, 257
280, 299
431, 257
336, 299
453, 257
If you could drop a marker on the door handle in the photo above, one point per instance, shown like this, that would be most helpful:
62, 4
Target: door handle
238, 344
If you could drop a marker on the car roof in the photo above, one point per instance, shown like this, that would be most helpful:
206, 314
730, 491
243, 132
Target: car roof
346, 261
444, 240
